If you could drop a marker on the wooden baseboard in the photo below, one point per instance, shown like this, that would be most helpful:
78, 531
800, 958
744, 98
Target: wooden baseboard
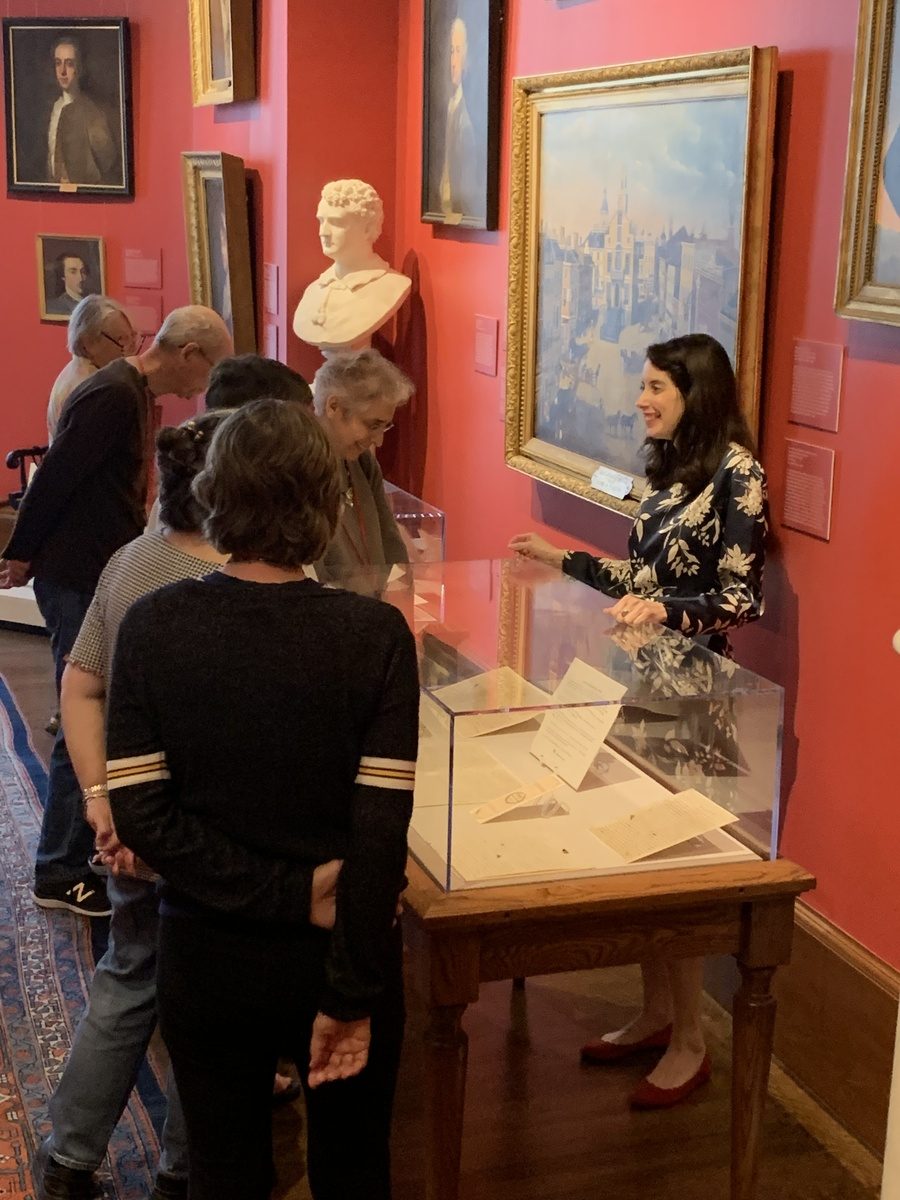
837, 1020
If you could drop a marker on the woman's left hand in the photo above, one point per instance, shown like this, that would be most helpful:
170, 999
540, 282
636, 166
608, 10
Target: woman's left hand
636, 610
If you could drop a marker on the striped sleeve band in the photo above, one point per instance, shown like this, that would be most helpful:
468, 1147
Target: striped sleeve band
397, 773
143, 768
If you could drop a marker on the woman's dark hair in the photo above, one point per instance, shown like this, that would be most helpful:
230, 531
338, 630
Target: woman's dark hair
270, 486
701, 370
180, 454
244, 377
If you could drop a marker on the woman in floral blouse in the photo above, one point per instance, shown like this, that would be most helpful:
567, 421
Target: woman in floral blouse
695, 564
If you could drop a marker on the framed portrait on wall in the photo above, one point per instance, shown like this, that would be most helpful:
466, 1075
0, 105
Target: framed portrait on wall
639, 211
69, 268
223, 55
68, 106
868, 276
461, 113
218, 241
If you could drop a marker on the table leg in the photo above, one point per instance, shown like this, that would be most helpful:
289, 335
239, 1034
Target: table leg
752, 1033
446, 1056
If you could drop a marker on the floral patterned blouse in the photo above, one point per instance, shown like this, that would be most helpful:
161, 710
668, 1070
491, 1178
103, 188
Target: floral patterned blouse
701, 556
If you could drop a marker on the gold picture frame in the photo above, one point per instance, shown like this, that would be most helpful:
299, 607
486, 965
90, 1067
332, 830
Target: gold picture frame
218, 241
68, 269
223, 51
577, 311
870, 224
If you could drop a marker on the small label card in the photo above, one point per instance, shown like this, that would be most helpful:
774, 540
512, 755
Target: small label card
808, 488
143, 268
528, 793
614, 483
571, 738
270, 288
144, 310
486, 333
683, 816
816, 385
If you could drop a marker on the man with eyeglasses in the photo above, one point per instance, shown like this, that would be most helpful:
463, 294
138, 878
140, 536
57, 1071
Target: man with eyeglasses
86, 500
99, 332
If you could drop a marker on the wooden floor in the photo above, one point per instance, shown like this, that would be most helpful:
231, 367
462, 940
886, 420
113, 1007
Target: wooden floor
539, 1126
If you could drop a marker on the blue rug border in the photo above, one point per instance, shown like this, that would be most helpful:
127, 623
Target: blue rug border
28, 756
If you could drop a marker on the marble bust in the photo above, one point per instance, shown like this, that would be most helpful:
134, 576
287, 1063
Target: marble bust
360, 292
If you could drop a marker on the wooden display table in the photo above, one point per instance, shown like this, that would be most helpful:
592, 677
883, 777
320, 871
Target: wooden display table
458, 940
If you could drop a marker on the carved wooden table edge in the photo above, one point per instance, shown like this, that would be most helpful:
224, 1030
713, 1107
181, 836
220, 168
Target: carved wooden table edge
426, 902
757, 899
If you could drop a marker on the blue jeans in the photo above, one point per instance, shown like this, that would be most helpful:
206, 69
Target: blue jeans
112, 1038
67, 841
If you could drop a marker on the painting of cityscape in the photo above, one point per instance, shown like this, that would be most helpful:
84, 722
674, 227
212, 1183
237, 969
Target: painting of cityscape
635, 199
868, 276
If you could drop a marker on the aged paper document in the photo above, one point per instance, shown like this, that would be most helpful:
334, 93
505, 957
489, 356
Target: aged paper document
500, 688
476, 773
571, 738
666, 823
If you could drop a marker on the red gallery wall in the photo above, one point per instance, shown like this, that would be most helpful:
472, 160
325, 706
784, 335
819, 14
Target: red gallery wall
340, 93
35, 353
833, 607
314, 111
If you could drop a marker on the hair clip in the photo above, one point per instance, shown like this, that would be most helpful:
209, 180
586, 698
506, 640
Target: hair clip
196, 433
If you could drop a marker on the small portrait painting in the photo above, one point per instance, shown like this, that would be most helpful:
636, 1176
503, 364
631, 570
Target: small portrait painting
223, 55
220, 37
217, 248
218, 237
868, 275
68, 106
460, 132
69, 268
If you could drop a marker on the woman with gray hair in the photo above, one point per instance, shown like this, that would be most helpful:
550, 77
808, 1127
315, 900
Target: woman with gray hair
356, 395
99, 332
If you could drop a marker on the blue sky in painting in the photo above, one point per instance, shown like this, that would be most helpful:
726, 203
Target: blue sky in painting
684, 162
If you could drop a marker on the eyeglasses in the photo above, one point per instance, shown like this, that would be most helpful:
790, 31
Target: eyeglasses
376, 427
130, 345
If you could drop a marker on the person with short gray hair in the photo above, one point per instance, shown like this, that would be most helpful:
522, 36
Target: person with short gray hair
356, 395
88, 498
99, 332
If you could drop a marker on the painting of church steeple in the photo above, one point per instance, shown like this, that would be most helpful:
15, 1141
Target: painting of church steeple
640, 219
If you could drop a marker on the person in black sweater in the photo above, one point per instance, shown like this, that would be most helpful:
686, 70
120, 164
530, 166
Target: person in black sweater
87, 499
260, 724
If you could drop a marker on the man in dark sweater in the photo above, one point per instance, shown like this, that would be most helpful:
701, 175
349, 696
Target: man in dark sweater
88, 499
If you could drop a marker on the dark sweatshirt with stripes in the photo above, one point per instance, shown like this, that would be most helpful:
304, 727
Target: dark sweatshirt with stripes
258, 730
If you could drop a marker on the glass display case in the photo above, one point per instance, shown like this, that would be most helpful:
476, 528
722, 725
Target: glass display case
556, 743
421, 524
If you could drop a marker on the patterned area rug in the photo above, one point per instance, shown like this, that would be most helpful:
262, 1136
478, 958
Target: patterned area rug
46, 960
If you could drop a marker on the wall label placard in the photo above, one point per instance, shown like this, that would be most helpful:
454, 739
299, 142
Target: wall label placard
816, 384
144, 310
143, 268
486, 335
808, 488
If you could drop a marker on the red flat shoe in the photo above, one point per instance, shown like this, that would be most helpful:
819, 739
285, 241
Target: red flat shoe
648, 1095
603, 1051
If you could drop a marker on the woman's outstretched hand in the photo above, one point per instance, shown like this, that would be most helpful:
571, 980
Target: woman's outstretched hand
529, 545
337, 1049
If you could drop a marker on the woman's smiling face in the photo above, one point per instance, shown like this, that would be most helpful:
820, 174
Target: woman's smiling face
660, 403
